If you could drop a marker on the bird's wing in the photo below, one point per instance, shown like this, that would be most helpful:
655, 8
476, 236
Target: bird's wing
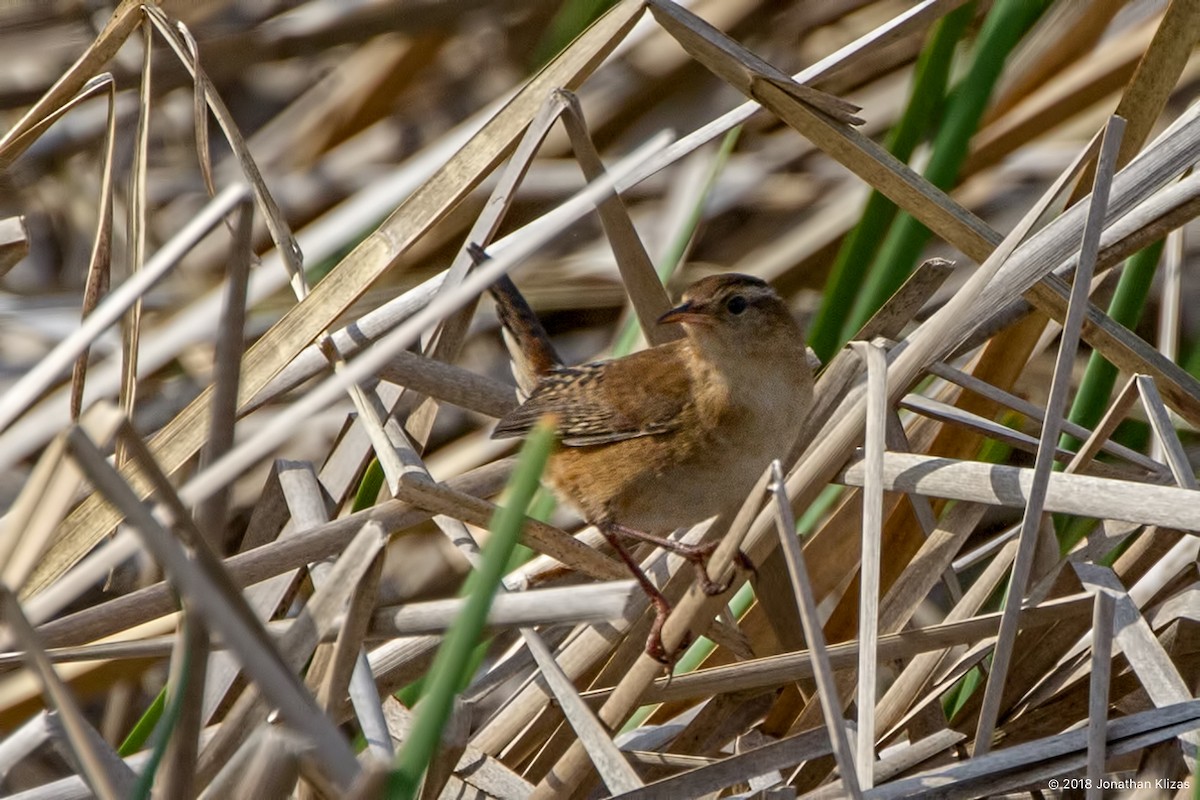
608, 401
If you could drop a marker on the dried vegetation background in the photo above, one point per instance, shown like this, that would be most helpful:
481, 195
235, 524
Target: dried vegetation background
260, 211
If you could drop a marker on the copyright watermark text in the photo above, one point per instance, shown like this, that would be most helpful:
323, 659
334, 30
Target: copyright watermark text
1117, 783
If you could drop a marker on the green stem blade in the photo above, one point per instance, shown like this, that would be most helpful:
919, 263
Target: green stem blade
925, 103
451, 668
1002, 30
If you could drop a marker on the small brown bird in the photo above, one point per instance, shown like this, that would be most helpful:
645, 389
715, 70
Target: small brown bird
669, 436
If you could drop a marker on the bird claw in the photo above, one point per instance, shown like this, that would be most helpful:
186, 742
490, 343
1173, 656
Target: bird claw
699, 555
658, 651
654, 643
745, 564
713, 588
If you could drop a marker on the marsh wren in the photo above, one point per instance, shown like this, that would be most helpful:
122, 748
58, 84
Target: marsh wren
669, 436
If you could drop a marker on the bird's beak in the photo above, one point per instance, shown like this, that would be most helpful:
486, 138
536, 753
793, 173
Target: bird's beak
686, 312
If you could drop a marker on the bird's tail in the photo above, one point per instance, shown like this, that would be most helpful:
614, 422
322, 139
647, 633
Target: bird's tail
528, 343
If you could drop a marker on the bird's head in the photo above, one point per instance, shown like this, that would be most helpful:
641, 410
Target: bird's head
737, 312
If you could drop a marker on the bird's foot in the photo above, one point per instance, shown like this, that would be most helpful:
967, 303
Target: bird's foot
655, 647
699, 554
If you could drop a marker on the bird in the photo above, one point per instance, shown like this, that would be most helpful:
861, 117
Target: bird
672, 435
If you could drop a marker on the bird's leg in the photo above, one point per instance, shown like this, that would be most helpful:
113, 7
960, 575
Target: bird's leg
662, 607
695, 554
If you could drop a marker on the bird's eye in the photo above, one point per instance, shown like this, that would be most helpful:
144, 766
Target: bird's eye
736, 304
